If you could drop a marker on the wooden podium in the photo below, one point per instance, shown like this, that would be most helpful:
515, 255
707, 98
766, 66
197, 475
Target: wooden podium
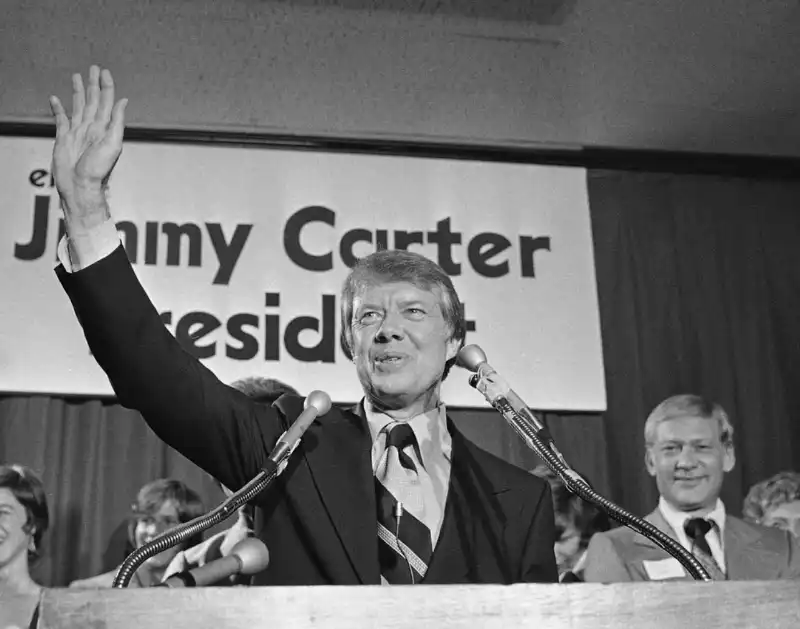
682, 605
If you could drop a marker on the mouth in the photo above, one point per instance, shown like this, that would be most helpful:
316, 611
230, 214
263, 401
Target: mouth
389, 359
690, 480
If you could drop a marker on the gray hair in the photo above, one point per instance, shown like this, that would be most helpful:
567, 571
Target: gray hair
401, 266
688, 404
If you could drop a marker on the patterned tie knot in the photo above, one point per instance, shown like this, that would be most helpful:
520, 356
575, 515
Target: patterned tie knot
401, 436
696, 528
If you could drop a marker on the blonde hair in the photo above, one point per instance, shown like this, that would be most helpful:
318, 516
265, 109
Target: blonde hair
689, 405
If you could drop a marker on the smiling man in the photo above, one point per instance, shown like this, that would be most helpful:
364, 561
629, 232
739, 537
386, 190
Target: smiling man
388, 491
689, 449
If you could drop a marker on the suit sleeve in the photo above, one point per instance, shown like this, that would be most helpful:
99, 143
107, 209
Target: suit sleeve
215, 426
539, 561
603, 563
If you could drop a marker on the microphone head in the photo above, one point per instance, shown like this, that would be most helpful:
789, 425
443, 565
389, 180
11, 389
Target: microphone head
471, 357
319, 400
253, 554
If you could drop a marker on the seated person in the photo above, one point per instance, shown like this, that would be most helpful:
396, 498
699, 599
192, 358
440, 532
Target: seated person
160, 506
576, 522
688, 450
775, 502
24, 518
266, 391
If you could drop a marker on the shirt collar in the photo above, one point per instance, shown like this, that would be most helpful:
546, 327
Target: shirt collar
430, 429
676, 518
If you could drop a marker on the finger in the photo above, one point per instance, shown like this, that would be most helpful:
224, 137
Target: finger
92, 94
117, 128
106, 97
78, 100
62, 122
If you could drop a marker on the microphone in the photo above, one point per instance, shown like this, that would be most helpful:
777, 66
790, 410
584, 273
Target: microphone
248, 557
535, 434
317, 403
495, 389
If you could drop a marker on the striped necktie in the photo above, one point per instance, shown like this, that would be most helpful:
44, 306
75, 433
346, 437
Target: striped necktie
697, 529
404, 542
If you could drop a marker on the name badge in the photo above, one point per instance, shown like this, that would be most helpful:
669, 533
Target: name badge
664, 569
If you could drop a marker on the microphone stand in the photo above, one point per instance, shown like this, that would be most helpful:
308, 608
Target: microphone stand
184, 531
317, 403
577, 485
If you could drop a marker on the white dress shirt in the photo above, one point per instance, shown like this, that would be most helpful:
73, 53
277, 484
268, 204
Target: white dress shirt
435, 445
715, 537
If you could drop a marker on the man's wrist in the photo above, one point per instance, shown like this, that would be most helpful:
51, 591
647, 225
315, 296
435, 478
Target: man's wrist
85, 208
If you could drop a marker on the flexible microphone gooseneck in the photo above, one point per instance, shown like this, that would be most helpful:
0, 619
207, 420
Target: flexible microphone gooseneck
536, 436
317, 403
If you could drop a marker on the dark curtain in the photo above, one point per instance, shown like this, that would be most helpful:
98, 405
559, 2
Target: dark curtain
699, 287
699, 284
93, 456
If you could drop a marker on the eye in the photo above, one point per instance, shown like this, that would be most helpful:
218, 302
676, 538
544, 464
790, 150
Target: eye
415, 312
369, 316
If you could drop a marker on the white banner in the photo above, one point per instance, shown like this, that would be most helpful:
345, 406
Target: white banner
244, 250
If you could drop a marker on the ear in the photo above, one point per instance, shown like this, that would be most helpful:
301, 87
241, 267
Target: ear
728, 458
452, 347
649, 462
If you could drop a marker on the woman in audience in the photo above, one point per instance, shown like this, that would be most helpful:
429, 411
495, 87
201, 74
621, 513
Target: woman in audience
576, 522
24, 518
775, 502
160, 506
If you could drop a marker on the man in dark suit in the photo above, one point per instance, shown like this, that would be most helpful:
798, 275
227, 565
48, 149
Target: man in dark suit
388, 491
689, 449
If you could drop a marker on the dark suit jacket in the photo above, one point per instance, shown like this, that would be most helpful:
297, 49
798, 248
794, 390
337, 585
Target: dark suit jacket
752, 552
319, 521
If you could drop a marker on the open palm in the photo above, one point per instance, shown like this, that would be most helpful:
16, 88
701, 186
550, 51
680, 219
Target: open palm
88, 146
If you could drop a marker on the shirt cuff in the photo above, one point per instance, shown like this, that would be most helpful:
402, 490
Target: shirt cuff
76, 252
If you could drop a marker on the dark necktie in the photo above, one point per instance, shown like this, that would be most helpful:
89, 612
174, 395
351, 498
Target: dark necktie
404, 542
696, 529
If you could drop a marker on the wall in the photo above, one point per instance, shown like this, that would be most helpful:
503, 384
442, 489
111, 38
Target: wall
716, 75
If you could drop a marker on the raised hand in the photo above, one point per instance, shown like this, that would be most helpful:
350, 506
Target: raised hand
88, 146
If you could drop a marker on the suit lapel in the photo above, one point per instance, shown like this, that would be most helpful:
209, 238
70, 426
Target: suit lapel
454, 559
745, 555
656, 519
449, 558
341, 466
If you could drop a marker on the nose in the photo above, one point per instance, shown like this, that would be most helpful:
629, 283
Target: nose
687, 457
391, 328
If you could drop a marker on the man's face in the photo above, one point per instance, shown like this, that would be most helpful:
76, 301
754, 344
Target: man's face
785, 516
14, 539
688, 461
400, 344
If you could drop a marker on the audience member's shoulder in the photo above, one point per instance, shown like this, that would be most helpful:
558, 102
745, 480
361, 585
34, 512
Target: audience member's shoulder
99, 582
769, 538
619, 536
